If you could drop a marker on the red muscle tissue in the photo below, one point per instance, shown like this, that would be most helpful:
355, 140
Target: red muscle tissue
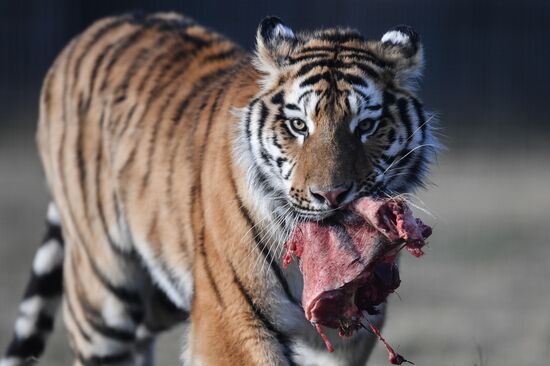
348, 264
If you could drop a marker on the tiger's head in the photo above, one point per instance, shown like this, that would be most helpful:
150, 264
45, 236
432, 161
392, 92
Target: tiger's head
336, 118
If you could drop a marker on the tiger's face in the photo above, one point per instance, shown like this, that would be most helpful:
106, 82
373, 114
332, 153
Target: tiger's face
336, 118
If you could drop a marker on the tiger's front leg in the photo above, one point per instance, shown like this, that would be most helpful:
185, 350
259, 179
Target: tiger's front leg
228, 327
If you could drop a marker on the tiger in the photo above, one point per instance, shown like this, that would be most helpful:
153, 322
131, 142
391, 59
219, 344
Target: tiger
178, 163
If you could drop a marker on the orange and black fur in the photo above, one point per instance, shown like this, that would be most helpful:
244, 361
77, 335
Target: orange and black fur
178, 164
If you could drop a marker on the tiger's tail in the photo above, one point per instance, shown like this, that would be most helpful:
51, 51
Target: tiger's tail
41, 299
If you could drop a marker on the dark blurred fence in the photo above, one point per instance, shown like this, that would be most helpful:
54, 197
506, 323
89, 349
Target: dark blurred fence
487, 68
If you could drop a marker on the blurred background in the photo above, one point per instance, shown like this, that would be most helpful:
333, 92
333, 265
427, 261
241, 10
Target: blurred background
481, 294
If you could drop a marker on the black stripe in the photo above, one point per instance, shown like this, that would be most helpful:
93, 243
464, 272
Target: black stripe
208, 269
317, 49
266, 158
153, 67
93, 76
264, 250
46, 285
213, 110
248, 120
154, 93
132, 70
27, 348
197, 41
367, 70
62, 154
391, 136
191, 96
388, 99
98, 202
304, 69
314, 79
422, 125
347, 51
403, 107
96, 37
282, 338
275, 140
96, 360
263, 182
76, 321
337, 64
198, 85
81, 166
53, 232
97, 181
350, 78
342, 37
264, 113
224, 55
366, 55
278, 98
126, 123
107, 331
95, 319
175, 60
44, 323
305, 94
123, 46
313, 56
287, 176
374, 107
122, 293
160, 298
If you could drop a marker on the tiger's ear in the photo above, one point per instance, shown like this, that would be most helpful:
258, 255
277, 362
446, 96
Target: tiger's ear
401, 46
274, 43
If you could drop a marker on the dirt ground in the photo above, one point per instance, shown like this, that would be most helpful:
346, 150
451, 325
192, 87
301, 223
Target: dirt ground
479, 296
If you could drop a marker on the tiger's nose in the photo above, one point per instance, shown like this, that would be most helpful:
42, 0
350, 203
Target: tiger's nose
333, 196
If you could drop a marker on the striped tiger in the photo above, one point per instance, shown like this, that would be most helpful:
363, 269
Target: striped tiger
178, 164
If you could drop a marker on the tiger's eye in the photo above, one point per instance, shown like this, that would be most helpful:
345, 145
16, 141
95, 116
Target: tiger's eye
366, 125
298, 125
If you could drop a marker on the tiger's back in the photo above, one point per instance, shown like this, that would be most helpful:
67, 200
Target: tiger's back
125, 114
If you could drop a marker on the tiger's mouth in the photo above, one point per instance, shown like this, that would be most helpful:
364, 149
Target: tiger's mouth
348, 260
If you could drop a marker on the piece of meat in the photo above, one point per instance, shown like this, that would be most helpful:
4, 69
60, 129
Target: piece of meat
394, 357
394, 219
348, 265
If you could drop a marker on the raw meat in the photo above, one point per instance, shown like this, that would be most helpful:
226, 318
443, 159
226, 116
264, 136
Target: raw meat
348, 262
